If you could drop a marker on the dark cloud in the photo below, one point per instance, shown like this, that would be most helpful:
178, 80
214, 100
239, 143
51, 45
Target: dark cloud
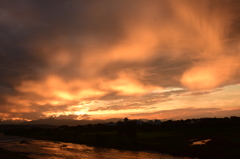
198, 93
73, 116
142, 102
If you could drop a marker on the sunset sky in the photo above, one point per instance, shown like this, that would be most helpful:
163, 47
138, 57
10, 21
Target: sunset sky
100, 59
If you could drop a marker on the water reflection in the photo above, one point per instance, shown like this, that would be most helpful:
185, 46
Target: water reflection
201, 142
39, 149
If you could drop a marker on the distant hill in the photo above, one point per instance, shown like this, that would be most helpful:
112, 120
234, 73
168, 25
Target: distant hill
58, 122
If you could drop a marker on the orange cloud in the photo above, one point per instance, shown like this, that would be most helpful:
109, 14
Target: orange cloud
55, 87
211, 74
126, 84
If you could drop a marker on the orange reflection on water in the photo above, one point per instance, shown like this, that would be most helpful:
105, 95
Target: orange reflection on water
39, 149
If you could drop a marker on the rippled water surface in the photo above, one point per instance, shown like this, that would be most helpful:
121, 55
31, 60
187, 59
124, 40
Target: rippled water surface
39, 149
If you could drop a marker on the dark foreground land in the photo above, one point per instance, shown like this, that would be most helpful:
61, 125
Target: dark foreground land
172, 137
4, 154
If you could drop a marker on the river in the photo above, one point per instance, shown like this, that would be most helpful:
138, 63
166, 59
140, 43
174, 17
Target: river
40, 149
